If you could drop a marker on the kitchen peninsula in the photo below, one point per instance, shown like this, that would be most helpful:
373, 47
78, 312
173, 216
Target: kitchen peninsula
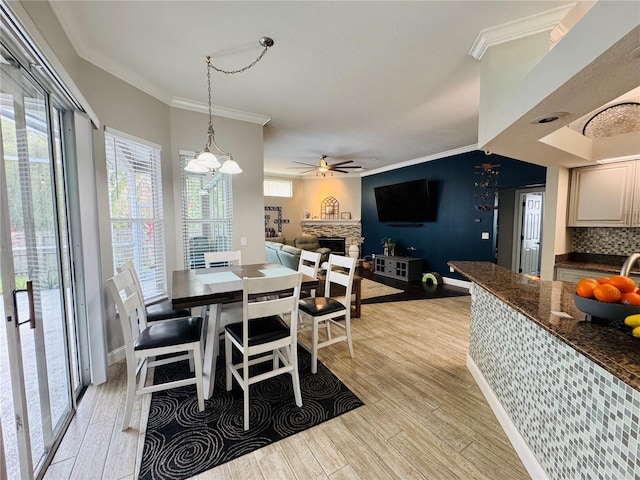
566, 391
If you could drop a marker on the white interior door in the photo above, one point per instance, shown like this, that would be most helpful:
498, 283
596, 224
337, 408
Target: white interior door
37, 332
531, 233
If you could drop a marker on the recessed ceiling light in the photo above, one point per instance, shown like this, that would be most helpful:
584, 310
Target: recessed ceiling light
549, 117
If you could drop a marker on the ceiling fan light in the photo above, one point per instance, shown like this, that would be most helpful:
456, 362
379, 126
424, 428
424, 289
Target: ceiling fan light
230, 166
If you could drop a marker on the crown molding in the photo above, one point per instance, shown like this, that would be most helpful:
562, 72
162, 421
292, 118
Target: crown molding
428, 158
194, 106
507, 32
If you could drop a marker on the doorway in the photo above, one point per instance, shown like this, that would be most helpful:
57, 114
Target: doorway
528, 234
40, 377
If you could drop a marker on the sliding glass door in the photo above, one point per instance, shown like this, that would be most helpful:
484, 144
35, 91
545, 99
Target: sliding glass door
38, 344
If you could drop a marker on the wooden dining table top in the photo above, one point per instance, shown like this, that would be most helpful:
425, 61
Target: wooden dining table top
204, 286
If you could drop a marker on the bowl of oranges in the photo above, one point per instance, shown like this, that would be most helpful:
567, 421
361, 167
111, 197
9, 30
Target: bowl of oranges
610, 298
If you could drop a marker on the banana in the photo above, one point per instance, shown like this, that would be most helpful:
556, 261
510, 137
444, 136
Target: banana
633, 321
636, 332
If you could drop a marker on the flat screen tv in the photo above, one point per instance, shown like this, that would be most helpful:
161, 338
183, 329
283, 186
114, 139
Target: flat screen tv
408, 202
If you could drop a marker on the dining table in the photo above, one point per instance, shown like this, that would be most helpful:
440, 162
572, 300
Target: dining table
213, 288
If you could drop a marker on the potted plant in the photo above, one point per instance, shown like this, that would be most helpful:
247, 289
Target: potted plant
389, 245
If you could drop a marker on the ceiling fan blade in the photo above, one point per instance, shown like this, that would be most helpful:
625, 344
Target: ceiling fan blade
333, 167
336, 170
352, 166
306, 171
341, 163
307, 164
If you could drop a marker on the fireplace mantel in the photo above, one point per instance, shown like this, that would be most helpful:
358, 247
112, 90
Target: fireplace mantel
336, 227
337, 221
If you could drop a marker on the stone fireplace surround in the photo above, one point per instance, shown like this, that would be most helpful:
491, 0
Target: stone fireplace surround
347, 229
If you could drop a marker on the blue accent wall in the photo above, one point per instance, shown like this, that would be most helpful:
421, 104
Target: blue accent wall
456, 233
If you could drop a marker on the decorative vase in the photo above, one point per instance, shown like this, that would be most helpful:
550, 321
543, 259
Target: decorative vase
354, 251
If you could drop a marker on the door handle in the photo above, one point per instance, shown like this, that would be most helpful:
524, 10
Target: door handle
32, 307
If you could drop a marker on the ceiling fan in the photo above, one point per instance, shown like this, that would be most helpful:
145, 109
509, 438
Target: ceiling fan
323, 167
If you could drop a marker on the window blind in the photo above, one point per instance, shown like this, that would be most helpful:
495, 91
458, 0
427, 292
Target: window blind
135, 204
278, 188
207, 214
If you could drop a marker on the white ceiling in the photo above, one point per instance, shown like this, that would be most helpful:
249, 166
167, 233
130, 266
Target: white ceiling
376, 82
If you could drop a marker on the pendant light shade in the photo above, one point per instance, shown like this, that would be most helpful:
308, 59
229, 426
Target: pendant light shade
208, 160
196, 167
230, 166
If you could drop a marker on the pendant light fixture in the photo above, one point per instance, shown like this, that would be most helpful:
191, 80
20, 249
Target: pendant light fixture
205, 161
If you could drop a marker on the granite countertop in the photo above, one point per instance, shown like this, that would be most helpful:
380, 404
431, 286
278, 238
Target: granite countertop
613, 349
595, 262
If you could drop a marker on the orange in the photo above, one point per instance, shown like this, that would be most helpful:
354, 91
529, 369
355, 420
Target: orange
606, 293
586, 286
602, 280
630, 298
622, 283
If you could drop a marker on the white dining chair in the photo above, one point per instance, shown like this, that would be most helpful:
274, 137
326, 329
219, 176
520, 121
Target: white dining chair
143, 343
263, 335
309, 265
221, 314
326, 311
222, 259
158, 311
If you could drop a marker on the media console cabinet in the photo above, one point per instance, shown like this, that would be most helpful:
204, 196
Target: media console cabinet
400, 268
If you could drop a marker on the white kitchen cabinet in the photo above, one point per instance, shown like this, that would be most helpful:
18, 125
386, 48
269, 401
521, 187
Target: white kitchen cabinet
603, 195
574, 275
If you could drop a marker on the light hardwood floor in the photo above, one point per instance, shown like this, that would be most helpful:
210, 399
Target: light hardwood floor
423, 418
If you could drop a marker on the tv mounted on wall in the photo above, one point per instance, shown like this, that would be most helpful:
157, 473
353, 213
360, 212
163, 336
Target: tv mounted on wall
406, 203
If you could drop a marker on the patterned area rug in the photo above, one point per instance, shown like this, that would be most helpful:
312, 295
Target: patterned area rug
181, 442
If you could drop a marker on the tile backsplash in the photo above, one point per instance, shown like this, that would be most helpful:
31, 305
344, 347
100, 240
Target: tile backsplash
606, 240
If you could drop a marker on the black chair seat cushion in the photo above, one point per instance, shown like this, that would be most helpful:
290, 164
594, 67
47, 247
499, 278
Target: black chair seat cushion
261, 330
166, 334
165, 311
317, 306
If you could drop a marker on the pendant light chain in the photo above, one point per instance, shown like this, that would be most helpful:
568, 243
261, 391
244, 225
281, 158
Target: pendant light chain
205, 161
209, 87
240, 70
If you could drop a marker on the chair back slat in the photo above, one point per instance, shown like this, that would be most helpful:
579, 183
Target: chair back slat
129, 304
340, 271
309, 263
227, 258
132, 268
267, 303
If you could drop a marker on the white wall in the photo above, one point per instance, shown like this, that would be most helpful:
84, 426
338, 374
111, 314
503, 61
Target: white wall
346, 190
292, 209
244, 141
556, 238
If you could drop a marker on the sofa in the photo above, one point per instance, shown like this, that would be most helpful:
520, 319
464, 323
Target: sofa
311, 243
283, 254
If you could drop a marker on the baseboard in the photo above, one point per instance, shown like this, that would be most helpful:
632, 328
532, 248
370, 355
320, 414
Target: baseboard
527, 457
115, 356
456, 283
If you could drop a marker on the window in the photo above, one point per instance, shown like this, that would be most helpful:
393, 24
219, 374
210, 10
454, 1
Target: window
278, 188
135, 204
207, 214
